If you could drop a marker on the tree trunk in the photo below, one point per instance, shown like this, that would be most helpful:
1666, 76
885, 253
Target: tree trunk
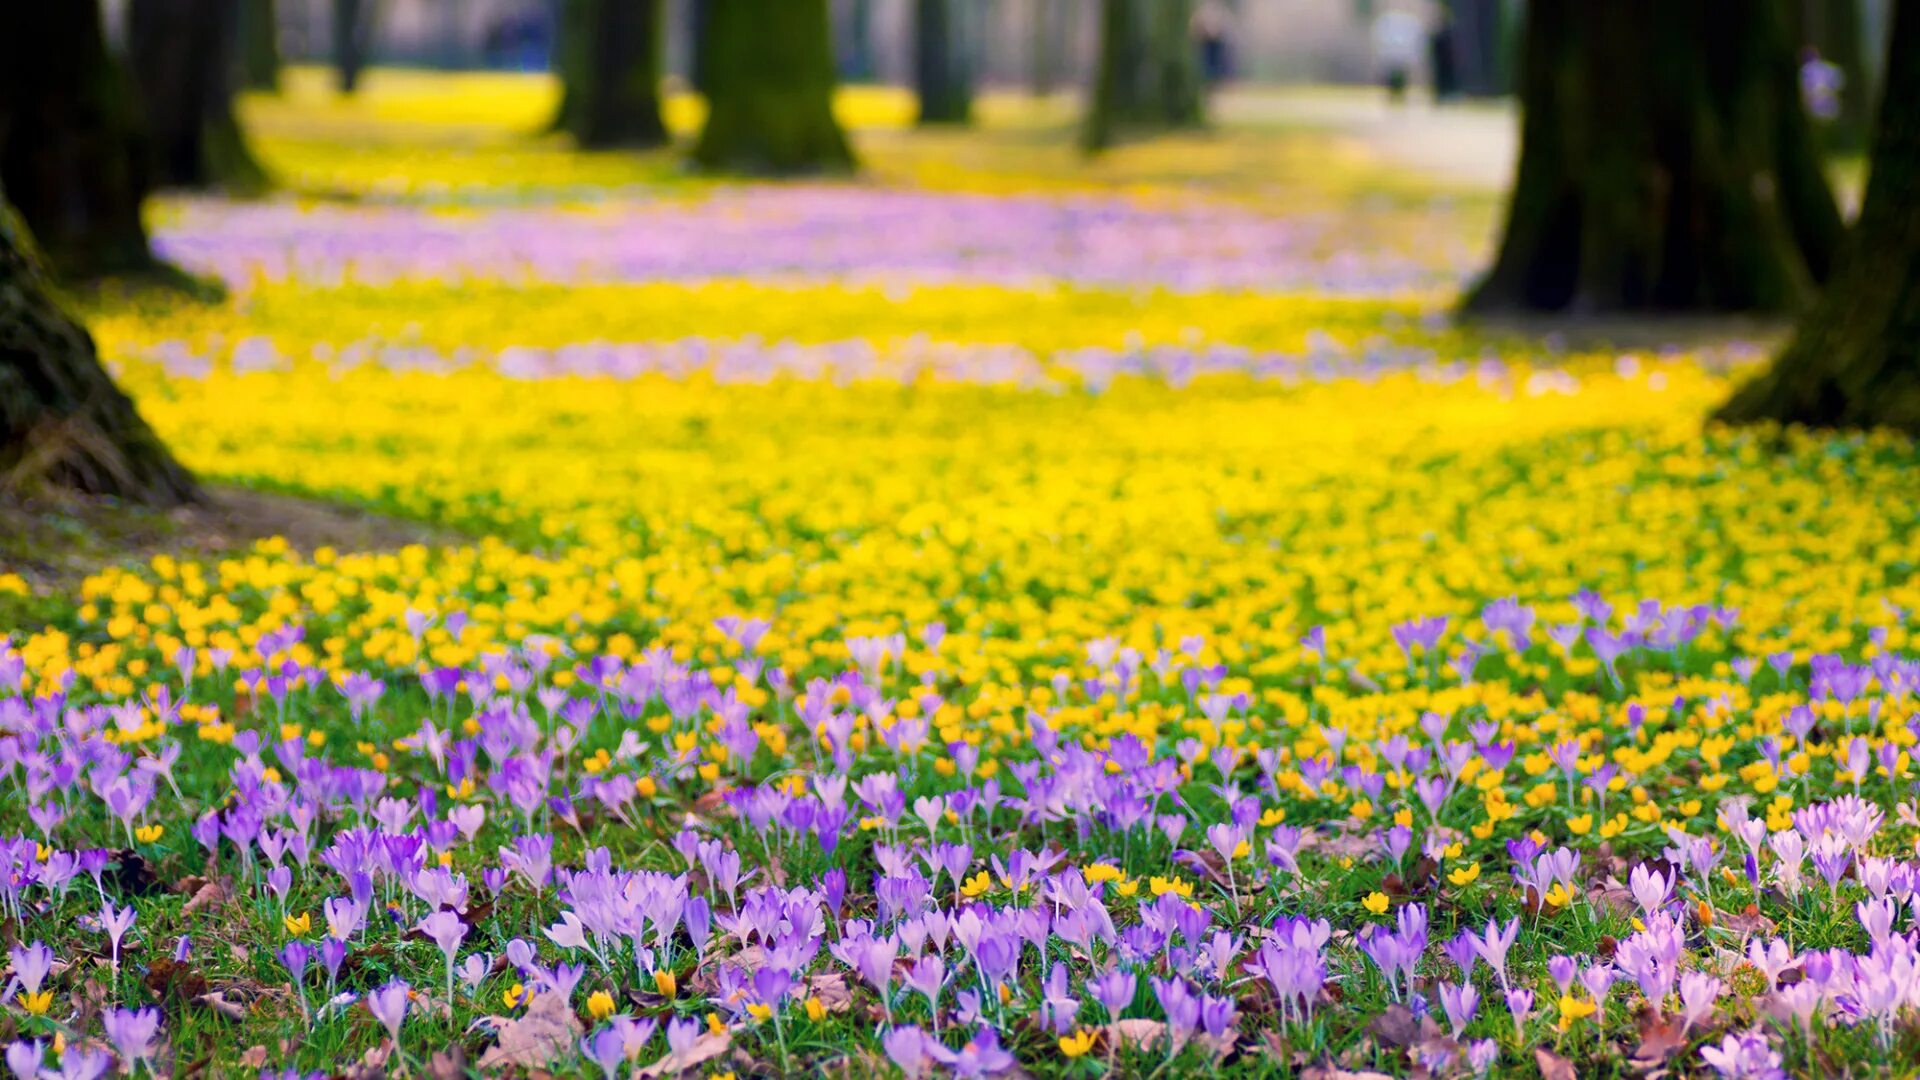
1665, 165
1855, 359
1836, 30
942, 59
259, 45
352, 39
70, 155
856, 54
1149, 71
1045, 45
769, 66
182, 54
610, 68
62, 421
1479, 43
699, 20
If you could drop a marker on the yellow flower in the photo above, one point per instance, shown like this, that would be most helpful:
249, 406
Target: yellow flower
665, 983
1161, 886
816, 1011
715, 1025
758, 1011
1076, 1044
1376, 902
976, 885
1572, 1010
36, 1004
1464, 875
514, 995
600, 1004
1580, 825
298, 924
147, 834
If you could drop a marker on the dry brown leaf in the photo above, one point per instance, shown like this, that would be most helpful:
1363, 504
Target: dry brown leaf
1396, 1026
1552, 1065
548, 1032
448, 1064
1137, 1033
831, 991
219, 1002
705, 1049
1660, 1037
253, 1057
208, 895
1334, 1072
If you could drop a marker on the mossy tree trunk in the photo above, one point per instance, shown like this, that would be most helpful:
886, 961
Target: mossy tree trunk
1148, 76
942, 62
1665, 165
183, 57
259, 45
353, 22
770, 78
610, 66
1854, 360
70, 153
63, 423
1836, 30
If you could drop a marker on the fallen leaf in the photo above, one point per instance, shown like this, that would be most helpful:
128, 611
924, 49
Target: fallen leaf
1553, 1066
1745, 921
448, 1064
219, 1002
546, 1033
706, 1048
253, 1057
1334, 1072
831, 989
1660, 1037
373, 1064
1150, 1034
208, 895
1396, 1026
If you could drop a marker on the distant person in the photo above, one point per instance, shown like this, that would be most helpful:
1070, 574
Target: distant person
1212, 27
1446, 73
1399, 37
1821, 84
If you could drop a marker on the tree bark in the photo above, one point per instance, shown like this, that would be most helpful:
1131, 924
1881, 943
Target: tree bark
70, 153
352, 40
1666, 165
769, 68
1148, 76
63, 423
1854, 361
259, 46
182, 55
610, 67
943, 68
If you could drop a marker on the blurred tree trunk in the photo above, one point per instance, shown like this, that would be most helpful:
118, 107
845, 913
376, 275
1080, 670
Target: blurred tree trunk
71, 158
610, 67
769, 68
63, 423
1665, 165
1854, 361
1836, 30
942, 62
699, 18
1149, 71
353, 22
182, 55
1480, 42
1044, 36
259, 45
856, 59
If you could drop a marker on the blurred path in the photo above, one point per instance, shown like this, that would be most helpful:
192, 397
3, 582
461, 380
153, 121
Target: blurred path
1470, 144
